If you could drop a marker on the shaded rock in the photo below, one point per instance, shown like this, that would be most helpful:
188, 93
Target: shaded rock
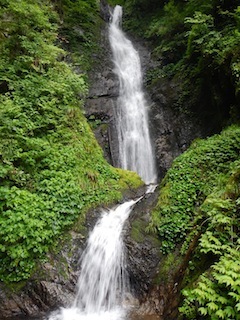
142, 247
101, 102
152, 275
173, 129
104, 10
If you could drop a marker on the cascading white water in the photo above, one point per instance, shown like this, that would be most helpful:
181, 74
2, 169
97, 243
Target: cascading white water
102, 283
135, 148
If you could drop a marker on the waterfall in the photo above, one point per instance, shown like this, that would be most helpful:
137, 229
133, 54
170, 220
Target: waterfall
103, 281
135, 148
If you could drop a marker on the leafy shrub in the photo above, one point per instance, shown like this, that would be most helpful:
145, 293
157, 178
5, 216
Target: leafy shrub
216, 295
200, 196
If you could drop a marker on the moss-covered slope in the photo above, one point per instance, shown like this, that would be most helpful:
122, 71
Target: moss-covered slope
199, 200
51, 168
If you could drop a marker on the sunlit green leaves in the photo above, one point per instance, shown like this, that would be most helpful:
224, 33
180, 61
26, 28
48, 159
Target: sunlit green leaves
217, 294
28, 34
51, 167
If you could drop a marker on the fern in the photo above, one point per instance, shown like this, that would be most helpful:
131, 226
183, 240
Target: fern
217, 293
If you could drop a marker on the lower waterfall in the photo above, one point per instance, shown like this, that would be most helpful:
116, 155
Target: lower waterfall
103, 281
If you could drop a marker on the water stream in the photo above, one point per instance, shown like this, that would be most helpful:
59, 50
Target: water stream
135, 148
103, 282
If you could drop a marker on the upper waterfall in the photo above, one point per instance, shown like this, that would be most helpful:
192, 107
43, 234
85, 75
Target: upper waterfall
135, 148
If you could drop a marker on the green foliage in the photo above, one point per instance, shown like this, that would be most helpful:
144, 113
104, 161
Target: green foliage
217, 294
221, 216
80, 30
217, 47
164, 23
51, 167
200, 196
27, 31
116, 2
79, 10
192, 177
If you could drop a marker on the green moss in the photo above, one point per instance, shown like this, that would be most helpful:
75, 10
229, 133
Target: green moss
128, 179
168, 267
138, 230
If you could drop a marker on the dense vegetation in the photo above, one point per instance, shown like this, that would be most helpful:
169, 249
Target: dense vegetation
203, 170
51, 168
200, 197
197, 43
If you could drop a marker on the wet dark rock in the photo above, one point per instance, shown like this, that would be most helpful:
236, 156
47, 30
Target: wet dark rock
142, 247
155, 282
104, 10
173, 129
101, 102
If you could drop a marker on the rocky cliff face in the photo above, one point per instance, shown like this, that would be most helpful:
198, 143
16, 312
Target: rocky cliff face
143, 255
101, 103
